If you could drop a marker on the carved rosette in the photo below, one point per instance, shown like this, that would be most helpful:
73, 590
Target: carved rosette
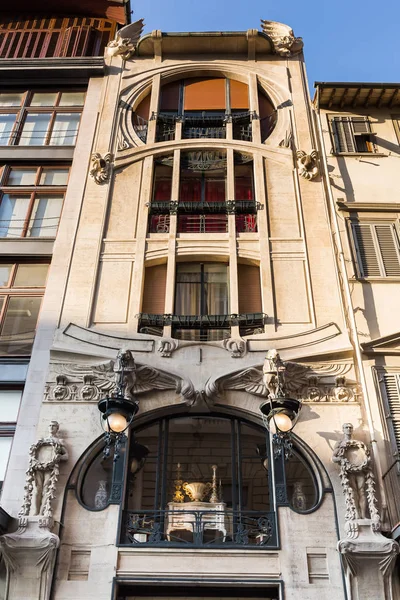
101, 167
307, 164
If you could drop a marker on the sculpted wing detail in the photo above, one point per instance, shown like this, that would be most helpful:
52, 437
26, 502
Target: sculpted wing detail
133, 31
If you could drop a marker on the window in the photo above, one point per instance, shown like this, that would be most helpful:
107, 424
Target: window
376, 249
31, 200
21, 290
40, 118
10, 399
396, 125
352, 134
226, 499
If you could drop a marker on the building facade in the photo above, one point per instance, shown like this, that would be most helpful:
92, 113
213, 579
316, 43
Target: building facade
197, 272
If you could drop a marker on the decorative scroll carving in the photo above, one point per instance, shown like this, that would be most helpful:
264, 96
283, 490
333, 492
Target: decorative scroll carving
42, 474
282, 37
126, 40
301, 381
167, 346
307, 164
101, 167
91, 382
237, 347
357, 480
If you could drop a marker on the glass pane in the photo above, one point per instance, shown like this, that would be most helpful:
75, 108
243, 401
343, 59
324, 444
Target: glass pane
5, 272
72, 99
6, 125
216, 289
12, 99
44, 99
13, 211
21, 317
45, 216
35, 129
97, 482
5, 447
22, 177
9, 402
188, 289
31, 275
301, 488
65, 129
54, 177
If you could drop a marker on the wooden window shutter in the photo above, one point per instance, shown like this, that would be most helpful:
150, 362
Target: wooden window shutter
154, 290
388, 246
396, 125
391, 392
367, 257
361, 125
249, 289
377, 249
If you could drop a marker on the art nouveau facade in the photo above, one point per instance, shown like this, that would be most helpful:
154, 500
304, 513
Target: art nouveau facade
198, 236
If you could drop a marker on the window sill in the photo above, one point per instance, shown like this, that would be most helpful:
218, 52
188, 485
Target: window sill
355, 154
374, 279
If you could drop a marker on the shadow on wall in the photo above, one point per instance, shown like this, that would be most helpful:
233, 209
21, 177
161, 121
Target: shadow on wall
369, 312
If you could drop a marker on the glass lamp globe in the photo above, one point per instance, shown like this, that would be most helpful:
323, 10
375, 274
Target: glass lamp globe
280, 421
116, 423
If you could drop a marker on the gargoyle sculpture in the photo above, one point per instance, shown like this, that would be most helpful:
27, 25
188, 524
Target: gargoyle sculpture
101, 167
307, 164
126, 40
282, 37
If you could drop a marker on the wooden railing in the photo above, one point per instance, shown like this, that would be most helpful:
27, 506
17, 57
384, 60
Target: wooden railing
55, 37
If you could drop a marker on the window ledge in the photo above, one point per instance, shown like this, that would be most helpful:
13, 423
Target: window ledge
374, 279
355, 154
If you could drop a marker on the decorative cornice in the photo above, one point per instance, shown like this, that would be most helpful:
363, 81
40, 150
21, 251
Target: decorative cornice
368, 206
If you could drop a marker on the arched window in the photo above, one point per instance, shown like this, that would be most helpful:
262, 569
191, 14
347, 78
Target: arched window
202, 480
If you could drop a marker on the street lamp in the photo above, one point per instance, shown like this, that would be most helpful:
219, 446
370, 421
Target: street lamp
118, 409
279, 412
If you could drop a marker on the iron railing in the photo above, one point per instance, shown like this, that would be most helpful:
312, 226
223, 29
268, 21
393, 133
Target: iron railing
199, 528
140, 126
202, 321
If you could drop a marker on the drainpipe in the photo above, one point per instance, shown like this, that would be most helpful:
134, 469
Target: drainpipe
350, 311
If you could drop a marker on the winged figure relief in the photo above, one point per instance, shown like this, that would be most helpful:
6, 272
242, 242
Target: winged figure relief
140, 380
126, 40
282, 37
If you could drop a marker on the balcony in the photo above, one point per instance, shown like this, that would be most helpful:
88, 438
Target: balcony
178, 527
202, 321
55, 37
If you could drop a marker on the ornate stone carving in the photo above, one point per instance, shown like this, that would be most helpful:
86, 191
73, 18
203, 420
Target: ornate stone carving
287, 140
29, 557
126, 40
357, 481
42, 474
273, 374
307, 164
93, 381
301, 381
237, 347
167, 346
101, 167
282, 37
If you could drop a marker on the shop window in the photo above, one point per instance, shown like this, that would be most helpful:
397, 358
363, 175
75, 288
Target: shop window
22, 287
31, 200
377, 249
40, 118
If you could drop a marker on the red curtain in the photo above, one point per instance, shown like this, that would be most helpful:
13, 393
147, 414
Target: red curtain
190, 190
243, 188
162, 190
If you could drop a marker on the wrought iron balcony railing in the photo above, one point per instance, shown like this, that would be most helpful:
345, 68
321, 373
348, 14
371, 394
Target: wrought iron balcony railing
202, 321
140, 126
199, 528
198, 206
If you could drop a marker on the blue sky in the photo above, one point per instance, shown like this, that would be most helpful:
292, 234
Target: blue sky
353, 40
